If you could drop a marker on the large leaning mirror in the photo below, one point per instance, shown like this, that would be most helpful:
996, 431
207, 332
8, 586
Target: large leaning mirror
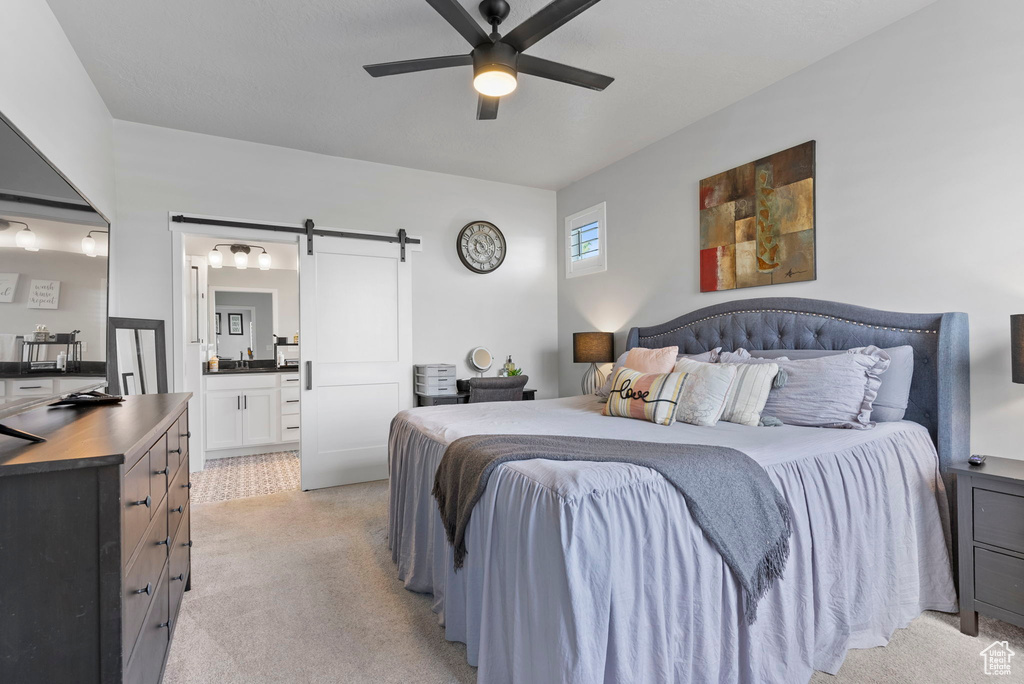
53, 282
137, 356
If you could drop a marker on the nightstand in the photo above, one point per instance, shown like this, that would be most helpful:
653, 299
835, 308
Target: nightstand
990, 503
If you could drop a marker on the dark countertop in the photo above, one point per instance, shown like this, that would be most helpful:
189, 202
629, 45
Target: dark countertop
245, 371
88, 437
54, 375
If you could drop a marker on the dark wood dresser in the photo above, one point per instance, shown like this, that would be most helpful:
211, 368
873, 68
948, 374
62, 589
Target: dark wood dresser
990, 507
95, 545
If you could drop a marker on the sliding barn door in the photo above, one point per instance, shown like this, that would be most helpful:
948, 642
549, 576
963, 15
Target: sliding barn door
356, 351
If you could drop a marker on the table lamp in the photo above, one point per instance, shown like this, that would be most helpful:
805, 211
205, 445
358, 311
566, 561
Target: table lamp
592, 348
1017, 347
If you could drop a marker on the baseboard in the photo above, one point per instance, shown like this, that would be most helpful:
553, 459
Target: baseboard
251, 450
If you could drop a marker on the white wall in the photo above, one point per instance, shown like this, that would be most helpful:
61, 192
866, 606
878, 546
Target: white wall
920, 145
82, 301
511, 311
46, 93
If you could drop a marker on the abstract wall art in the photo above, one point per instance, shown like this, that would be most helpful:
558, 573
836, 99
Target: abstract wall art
757, 222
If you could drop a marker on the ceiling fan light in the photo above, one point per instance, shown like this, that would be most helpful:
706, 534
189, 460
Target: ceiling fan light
26, 239
495, 80
264, 261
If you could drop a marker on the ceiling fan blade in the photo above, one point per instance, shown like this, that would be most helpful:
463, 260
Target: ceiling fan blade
411, 65
487, 107
546, 20
456, 15
535, 66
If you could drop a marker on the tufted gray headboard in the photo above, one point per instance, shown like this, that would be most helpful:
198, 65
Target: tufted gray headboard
940, 396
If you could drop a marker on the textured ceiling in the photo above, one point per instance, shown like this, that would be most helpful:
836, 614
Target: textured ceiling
289, 73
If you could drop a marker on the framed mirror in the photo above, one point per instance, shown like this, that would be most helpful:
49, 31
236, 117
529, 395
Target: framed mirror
136, 356
480, 359
53, 281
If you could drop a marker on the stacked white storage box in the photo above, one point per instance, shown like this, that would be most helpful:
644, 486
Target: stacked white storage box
435, 379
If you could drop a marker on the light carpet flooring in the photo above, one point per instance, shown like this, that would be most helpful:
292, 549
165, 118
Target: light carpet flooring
300, 587
239, 477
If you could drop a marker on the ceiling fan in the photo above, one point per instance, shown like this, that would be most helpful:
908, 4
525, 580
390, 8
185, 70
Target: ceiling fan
497, 60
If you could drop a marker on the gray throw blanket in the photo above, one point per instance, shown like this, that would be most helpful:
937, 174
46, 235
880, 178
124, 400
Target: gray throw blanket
728, 494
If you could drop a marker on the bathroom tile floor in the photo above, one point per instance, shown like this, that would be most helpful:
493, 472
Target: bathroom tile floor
240, 477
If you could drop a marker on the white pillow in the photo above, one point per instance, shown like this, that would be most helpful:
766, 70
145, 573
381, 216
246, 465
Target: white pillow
749, 392
704, 392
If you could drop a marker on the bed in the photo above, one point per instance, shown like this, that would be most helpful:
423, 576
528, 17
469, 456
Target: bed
590, 572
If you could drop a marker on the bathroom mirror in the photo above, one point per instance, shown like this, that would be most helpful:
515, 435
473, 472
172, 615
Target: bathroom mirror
481, 359
136, 356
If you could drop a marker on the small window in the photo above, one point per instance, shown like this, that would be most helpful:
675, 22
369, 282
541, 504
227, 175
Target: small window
586, 242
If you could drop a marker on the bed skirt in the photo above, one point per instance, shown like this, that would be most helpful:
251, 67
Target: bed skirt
620, 585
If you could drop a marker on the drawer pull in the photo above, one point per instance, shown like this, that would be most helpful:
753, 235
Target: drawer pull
164, 542
291, 401
148, 590
147, 502
179, 577
296, 427
165, 624
165, 471
174, 451
291, 379
187, 435
179, 509
188, 543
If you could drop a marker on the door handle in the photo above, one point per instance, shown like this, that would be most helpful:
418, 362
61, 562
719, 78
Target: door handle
246, 402
239, 398
309, 375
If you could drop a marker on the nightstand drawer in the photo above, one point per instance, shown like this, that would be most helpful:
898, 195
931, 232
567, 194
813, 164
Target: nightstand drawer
999, 519
999, 580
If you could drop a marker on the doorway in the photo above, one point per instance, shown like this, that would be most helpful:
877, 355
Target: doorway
338, 388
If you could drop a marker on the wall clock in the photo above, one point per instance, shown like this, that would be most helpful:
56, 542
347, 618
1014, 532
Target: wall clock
481, 247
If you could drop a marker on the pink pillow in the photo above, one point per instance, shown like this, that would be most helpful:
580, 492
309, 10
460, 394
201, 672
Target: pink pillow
652, 360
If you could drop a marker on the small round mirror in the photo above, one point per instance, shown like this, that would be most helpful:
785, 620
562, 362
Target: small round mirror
481, 359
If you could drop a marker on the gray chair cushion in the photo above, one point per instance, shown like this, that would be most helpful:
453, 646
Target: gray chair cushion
893, 394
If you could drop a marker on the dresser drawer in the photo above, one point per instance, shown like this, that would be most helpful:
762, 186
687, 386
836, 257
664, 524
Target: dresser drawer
290, 428
177, 499
999, 519
999, 580
178, 568
158, 471
147, 660
289, 402
177, 443
138, 506
289, 380
143, 577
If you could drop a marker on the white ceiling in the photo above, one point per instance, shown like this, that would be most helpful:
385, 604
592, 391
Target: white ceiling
289, 74
282, 256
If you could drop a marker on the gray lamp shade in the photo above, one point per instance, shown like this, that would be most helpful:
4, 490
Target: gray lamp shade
592, 347
1017, 347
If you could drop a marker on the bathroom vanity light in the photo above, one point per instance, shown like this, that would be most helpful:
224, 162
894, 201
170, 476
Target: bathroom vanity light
25, 238
240, 255
89, 243
264, 261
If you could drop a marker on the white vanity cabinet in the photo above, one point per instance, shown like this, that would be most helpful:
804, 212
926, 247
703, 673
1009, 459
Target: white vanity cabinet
244, 411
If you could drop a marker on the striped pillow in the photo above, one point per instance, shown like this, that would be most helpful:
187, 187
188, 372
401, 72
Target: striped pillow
645, 396
749, 392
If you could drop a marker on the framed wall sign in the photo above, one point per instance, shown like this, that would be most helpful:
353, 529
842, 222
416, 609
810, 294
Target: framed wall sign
234, 324
44, 294
8, 285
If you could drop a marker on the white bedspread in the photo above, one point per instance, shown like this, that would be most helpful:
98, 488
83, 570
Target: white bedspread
591, 572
